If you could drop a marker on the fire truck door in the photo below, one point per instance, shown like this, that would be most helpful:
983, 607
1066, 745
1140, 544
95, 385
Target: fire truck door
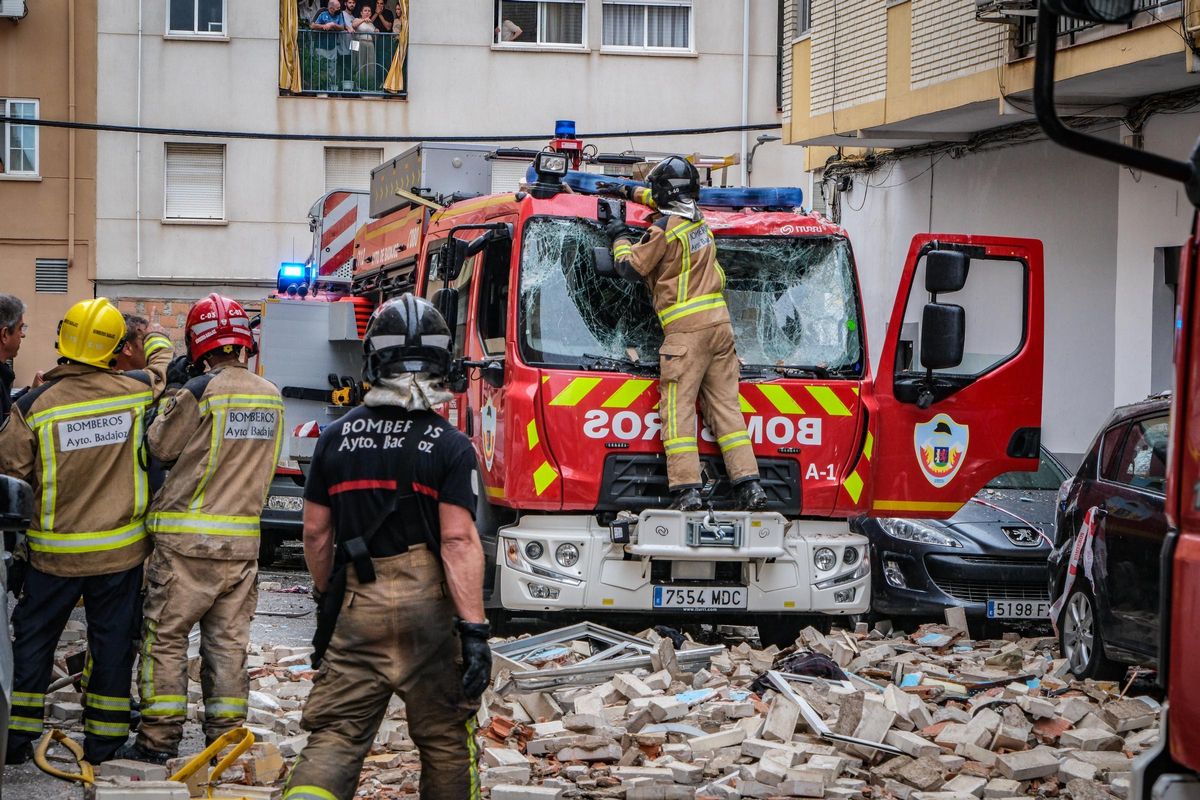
959, 391
482, 407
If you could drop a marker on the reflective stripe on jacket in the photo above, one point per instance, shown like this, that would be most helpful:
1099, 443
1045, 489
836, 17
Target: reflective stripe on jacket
223, 430
679, 258
75, 439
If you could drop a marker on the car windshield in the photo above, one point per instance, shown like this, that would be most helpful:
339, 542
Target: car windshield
793, 301
1049, 475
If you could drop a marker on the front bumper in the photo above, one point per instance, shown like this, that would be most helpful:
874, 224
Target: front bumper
776, 567
935, 577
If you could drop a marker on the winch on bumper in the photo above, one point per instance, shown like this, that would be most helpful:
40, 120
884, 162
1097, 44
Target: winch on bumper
671, 561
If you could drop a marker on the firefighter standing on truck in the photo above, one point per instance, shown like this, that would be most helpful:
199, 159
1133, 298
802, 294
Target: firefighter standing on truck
221, 432
678, 258
393, 489
74, 438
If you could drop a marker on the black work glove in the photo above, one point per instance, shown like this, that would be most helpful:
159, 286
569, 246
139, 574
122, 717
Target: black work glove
614, 228
477, 657
180, 371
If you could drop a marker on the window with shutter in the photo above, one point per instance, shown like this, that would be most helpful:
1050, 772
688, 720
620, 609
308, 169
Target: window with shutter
195, 181
350, 167
50, 275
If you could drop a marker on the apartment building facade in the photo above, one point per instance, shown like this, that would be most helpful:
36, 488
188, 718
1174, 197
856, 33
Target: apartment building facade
917, 116
182, 216
47, 175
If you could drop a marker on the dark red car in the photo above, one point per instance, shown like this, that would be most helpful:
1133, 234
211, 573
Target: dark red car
1112, 619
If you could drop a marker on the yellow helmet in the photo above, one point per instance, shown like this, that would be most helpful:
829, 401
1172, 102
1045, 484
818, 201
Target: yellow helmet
91, 332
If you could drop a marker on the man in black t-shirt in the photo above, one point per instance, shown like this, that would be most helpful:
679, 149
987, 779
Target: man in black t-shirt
389, 537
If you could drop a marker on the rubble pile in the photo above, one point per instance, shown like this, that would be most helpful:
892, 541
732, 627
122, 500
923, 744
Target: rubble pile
590, 712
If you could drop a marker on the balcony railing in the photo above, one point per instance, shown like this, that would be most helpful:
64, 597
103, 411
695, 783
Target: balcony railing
1069, 27
340, 63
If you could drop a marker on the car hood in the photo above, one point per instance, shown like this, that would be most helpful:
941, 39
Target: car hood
1005, 508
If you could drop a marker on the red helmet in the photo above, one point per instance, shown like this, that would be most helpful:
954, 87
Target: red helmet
216, 321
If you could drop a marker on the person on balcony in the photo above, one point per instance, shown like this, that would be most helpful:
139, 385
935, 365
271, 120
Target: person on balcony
333, 45
365, 65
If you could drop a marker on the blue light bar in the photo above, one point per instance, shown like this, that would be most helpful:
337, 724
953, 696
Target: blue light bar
292, 269
775, 198
564, 129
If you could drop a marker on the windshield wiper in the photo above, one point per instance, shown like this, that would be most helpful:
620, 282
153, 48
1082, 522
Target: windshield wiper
617, 364
787, 372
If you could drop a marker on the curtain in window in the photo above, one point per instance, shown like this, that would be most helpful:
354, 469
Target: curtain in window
289, 53
623, 25
667, 26
564, 23
394, 82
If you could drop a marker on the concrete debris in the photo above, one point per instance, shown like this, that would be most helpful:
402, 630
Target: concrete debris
925, 715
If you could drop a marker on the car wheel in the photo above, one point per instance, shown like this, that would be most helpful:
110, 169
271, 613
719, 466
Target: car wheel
1080, 639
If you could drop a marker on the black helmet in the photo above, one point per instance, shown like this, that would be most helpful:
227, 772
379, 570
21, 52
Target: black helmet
405, 334
674, 178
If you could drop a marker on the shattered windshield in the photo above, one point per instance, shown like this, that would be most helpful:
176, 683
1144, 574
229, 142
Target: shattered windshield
793, 301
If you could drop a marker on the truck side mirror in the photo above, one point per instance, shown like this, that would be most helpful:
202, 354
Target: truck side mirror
446, 302
16, 504
492, 373
946, 270
454, 255
943, 335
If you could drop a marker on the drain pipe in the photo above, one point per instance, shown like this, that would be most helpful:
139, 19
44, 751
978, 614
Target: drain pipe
71, 134
137, 169
745, 88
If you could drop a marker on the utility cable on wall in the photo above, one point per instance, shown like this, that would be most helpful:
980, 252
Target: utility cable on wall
323, 137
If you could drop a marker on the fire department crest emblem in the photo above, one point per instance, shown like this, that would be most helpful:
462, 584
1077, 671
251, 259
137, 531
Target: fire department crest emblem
941, 446
488, 426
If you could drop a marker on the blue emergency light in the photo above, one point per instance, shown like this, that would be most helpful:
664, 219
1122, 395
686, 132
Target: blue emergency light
294, 278
564, 129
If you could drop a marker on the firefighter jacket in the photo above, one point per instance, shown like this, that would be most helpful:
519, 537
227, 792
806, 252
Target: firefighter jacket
222, 430
678, 257
75, 439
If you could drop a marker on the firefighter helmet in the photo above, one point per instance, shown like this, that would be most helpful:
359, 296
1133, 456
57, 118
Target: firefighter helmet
406, 334
673, 179
91, 332
216, 321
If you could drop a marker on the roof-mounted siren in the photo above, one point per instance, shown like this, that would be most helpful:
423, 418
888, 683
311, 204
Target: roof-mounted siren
1009, 12
296, 279
564, 141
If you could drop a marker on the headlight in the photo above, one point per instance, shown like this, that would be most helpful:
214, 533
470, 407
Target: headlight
850, 556
534, 550
911, 531
567, 554
824, 559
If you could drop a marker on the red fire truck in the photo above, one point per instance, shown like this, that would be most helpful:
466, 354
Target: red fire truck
1171, 769
558, 392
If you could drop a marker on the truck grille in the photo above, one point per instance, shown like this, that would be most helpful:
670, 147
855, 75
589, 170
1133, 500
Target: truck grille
636, 482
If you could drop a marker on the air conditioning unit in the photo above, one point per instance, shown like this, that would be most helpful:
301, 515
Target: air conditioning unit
13, 9
1007, 11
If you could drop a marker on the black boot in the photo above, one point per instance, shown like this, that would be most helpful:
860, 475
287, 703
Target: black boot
751, 497
18, 753
135, 752
687, 500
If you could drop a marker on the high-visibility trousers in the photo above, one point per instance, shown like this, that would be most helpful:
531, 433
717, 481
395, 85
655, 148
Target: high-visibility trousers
393, 636
113, 608
702, 364
180, 592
